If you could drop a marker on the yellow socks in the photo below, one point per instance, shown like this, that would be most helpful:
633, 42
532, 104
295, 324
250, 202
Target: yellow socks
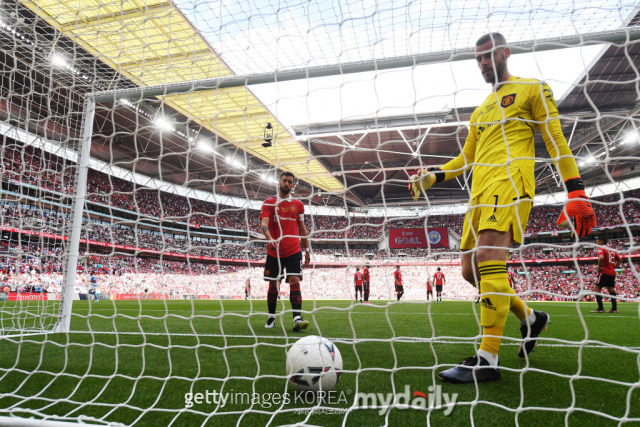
494, 308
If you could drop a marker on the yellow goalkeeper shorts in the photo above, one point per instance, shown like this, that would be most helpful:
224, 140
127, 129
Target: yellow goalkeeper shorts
499, 208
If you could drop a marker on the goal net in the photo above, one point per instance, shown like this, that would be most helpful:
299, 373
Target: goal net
141, 141
37, 182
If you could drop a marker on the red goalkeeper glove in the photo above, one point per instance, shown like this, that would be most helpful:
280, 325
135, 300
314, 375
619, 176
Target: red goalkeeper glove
579, 212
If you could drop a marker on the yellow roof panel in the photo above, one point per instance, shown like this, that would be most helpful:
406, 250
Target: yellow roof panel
152, 43
85, 13
237, 123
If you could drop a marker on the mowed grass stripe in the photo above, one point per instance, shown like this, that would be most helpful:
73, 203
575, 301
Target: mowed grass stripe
122, 379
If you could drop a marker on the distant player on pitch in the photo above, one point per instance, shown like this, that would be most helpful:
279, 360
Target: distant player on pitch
397, 281
282, 222
608, 261
429, 288
500, 149
439, 280
358, 280
367, 283
247, 289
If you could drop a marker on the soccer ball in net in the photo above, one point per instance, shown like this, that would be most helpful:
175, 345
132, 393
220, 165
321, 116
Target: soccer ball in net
314, 364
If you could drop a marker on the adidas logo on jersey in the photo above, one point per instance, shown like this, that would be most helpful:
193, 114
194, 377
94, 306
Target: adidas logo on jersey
486, 302
492, 218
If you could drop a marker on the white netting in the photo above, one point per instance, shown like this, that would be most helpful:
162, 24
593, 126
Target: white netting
144, 317
34, 216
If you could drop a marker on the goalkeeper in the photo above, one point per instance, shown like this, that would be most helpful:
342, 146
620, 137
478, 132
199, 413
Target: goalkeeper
500, 147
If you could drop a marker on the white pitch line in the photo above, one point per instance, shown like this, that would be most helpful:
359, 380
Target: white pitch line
402, 340
343, 311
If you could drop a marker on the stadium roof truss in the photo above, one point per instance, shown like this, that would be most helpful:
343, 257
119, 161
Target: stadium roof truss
408, 142
152, 43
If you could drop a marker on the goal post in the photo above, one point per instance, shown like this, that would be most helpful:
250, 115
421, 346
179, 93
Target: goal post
77, 213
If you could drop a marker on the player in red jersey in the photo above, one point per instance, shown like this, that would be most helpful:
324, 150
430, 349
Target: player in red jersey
282, 222
367, 283
397, 280
247, 289
358, 279
439, 280
608, 261
429, 288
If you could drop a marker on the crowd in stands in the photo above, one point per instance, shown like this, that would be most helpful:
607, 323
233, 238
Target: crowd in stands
549, 251
565, 281
178, 278
31, 166
30, 267
337, 283
203, 244
609, 213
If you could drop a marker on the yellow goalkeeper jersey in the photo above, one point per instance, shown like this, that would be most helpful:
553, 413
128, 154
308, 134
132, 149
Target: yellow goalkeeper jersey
500, 141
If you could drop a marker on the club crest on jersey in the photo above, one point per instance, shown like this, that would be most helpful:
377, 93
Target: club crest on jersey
293, 209
508, 100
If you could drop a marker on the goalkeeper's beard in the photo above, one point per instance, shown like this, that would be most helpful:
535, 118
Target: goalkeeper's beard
494, 75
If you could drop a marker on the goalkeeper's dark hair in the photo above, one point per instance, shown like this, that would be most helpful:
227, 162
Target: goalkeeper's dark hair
604, 239
497, 39
287, 173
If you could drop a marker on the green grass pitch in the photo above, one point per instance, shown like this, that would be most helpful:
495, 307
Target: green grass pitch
165, 349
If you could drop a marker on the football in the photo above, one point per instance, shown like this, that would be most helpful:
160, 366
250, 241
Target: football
314, 364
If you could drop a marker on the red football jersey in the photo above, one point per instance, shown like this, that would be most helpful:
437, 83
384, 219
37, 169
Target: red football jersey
365, 273
609, 261
283, 217
512, 278
429, 288
359, 278
439, 278
397, 275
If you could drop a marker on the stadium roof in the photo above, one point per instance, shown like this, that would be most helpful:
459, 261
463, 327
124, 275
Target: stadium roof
376, 156
370, 157
152, 43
